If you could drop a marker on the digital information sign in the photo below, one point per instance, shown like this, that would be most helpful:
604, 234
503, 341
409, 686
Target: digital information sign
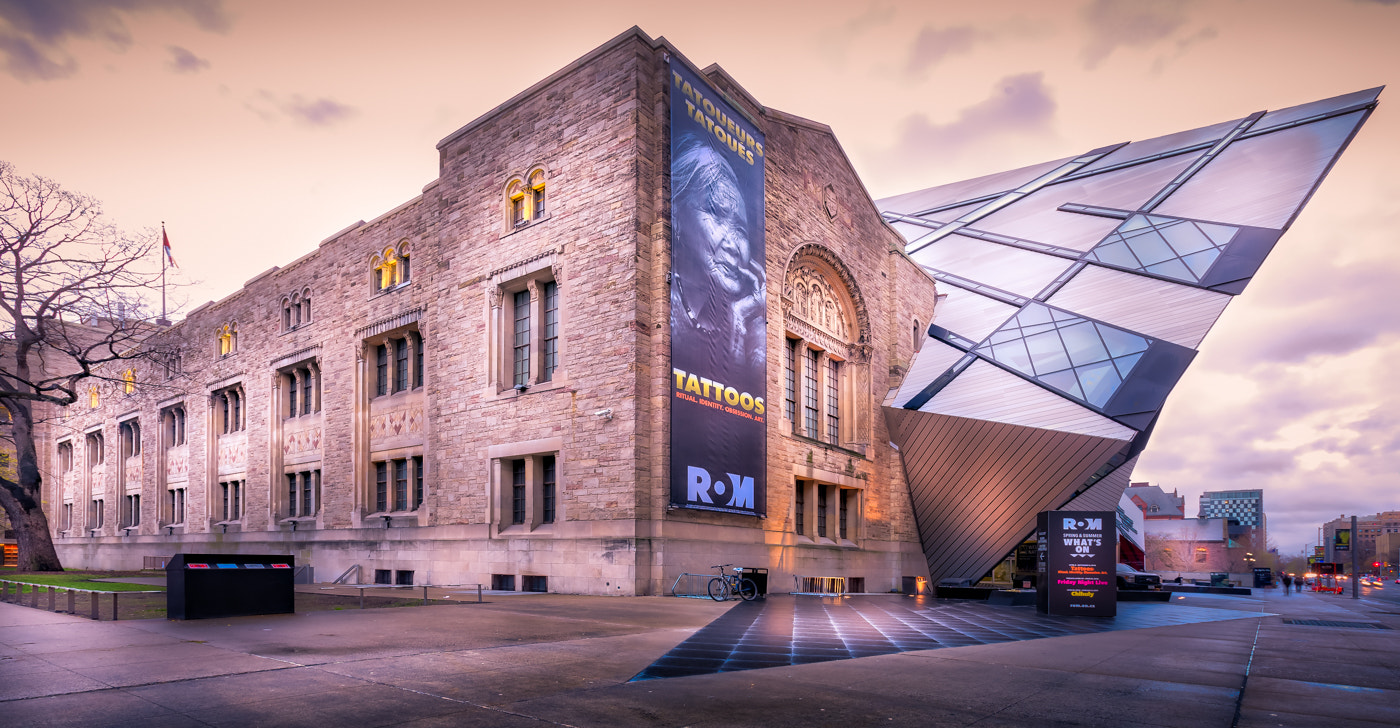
1078, 574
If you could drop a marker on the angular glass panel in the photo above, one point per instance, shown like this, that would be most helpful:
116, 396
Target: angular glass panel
1115, 254
1100, 381
1185, 238
1033, 314
1013, 355
1200, 262
1064, 316
1136, 222
1125, 364
1047, 354
1083, 344
1173, 268
1064, 381
1121, 343
1004, 335
1037, 329
1218, 234
1151, 249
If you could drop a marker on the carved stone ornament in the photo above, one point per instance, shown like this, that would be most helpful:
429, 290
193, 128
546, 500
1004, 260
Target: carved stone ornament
816, 301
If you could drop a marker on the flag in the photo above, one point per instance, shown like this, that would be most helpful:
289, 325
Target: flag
166, 243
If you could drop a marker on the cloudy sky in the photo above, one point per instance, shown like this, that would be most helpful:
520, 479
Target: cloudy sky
257, 129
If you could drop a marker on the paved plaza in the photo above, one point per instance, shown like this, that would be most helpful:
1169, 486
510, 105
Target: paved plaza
533, 660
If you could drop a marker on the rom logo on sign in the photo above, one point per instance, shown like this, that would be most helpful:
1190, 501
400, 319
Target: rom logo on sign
699, 486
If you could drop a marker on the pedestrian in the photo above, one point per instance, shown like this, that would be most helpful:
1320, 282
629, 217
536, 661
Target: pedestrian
1287, 584
1300, 584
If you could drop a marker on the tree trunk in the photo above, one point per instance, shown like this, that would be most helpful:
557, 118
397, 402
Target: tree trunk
22, 498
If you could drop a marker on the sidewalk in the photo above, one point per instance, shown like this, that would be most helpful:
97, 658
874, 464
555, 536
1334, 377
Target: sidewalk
567, 660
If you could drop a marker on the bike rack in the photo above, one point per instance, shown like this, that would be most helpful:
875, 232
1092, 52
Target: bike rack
692, 586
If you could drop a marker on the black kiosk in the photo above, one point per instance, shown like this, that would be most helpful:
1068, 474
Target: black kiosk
205, 586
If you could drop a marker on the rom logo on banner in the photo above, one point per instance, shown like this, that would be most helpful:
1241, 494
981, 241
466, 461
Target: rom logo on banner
699, 488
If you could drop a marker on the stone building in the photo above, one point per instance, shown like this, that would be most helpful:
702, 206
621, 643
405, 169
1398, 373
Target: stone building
473, 386
483, 385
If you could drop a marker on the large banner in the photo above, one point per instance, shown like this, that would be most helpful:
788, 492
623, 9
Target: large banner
719, 306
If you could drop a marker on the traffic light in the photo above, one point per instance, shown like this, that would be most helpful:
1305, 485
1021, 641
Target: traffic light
1375, 564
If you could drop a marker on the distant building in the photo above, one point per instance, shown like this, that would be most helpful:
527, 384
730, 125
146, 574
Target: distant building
1369, 530
1157, 504
1189, 546
1244, 509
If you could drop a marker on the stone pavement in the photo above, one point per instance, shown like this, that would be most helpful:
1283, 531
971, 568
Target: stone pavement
570, 660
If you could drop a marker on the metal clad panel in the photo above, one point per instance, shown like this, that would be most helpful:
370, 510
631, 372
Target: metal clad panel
1263, 181
1010, 269
1038, 218
932, 360
970, 314
979, 499
1179, 140
1176, 313
987, 392
1009, 526
1105, 494
1303, 111
912, 202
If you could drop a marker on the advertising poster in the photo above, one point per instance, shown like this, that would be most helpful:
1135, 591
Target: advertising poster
1341, 540
1081, 561
719, 313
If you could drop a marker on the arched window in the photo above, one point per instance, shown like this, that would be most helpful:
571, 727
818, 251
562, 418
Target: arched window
388, 269
94, 401
306, 305
525, 199
129, 381
228, 338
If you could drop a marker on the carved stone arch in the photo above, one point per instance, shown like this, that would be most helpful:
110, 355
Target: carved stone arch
829, 265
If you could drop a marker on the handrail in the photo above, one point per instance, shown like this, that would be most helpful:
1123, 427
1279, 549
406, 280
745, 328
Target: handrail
341, 579
424, 587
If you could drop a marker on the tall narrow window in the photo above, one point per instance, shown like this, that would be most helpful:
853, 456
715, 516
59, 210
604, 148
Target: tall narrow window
381, 369
417, 359
551, 326
400, 485
521, 355
291, 394
800, 508
845, 507
790, 382
237, 410
547, 491
417, 482
809, 394
821, 509
291, 495
833, 402
381, 487
310, 492
517, 209
517, 491
307, 384
400, 365
537, 195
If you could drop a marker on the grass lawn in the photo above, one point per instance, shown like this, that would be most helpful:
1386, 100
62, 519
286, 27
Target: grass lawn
81, 580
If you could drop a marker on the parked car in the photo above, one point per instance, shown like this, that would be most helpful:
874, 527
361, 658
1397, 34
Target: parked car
1130, 578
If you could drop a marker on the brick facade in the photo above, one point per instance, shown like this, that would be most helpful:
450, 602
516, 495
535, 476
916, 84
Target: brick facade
598, 132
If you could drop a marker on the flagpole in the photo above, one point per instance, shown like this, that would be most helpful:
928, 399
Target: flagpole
163, 256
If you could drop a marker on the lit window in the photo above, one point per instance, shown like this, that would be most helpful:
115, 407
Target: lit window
94, 401
129, 381
228, 338
525, 199
388, 269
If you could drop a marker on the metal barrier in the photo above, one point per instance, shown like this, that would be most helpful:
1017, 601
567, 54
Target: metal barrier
154, 562
53, 590
693, 586
819, 585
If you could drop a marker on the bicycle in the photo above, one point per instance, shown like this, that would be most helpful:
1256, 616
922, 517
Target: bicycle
725, 585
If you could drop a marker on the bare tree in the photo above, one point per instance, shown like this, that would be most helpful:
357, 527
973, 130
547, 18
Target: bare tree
71, 298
